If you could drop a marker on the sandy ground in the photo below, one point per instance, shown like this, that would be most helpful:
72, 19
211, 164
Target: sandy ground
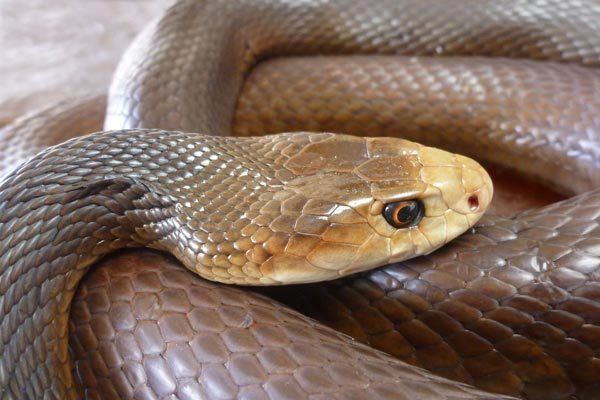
52, 49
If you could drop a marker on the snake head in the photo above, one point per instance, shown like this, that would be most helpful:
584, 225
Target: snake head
359, 203
305, 207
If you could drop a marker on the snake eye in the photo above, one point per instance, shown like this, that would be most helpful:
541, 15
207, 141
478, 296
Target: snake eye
404, 214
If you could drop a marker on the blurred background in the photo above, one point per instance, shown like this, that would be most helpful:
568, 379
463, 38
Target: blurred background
52, 49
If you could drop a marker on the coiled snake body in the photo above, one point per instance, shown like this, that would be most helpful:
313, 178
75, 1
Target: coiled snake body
302, 207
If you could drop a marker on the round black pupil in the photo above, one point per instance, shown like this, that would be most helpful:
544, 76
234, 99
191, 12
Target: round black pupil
406, 213
403, 214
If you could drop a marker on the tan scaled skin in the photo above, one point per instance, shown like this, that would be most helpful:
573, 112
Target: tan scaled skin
545, 49
233, 210
316, 214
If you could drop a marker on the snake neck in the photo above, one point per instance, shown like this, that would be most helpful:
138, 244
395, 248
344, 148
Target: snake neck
78, 201
54, 240
58, 214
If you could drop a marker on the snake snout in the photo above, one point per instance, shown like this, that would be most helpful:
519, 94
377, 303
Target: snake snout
478, 189
458, 193
464, 185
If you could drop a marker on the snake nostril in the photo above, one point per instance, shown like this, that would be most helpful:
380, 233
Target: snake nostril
473, 201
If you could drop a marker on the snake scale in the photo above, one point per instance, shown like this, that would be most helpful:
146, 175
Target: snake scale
511, 307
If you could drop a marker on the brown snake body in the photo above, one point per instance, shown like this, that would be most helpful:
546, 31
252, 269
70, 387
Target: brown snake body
522, 290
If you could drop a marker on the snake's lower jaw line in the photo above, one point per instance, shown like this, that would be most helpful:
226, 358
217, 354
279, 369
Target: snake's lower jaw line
288, 270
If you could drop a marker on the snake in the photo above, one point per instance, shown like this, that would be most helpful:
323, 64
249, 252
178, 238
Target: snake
300, 207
